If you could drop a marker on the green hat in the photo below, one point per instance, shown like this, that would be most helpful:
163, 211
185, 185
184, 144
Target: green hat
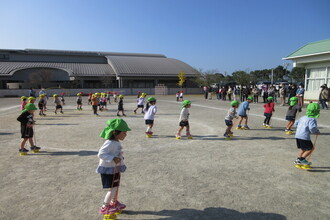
234, 103
250, 97
113, 125
313, 110
29, 106
270, 98
151, 99
293, 101
185, 103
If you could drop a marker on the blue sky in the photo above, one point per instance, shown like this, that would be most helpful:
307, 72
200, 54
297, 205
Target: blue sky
222, 35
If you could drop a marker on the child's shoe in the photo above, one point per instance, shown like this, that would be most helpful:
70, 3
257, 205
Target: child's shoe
35, 148
124, 115
134, 112
118, 205
24, 150
297, 161
227, 137
245, 127
264, 124
231, 134
142, 112
177, 136
305, 162
62, 112
189, 135
118, 115
239, 127
55, 112
268, 126
108, 209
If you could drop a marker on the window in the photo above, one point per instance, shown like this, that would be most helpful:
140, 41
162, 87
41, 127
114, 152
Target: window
316, 77
4, 56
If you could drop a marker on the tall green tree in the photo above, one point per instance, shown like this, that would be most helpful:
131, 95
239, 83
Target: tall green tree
241, 77
297, 74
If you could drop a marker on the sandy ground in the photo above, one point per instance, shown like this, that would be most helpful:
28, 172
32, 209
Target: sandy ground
249, 177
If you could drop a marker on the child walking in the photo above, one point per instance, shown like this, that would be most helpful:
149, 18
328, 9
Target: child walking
115, 97
149, 116
79, 101
89, 98
269, 109
41, 104
58, 105
26, 119
62, 98
95, 103
108, 97
111, 164
291, 114
140, 103
23, 102
177, 95
121, 106
306, 125
183, 121
242, 113
231, 114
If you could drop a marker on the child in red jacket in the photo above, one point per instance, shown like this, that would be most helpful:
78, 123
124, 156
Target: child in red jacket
269, 109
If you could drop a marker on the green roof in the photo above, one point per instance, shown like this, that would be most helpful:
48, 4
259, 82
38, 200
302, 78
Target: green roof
313, 48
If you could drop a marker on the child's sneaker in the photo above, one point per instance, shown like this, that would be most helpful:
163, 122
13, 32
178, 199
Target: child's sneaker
297, 161
245, 127
305, 162
268, 126
226, 135
239, 127
118, 205
124, 115
118, 115
177, 136
24, 150
108, 209
286, 130
264, 124
134, 112
35, 148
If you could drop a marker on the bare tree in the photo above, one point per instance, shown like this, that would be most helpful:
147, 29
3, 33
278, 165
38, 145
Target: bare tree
41, 76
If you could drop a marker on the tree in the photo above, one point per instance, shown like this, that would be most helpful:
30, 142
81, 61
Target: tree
297, 74
241, 77
207, 78
182, 78
41, 76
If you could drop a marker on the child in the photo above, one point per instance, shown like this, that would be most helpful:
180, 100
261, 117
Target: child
291, 113
103, 102
41, 104
140, 103
305, 126
242, 113
151, 110
57, 102
121, 106
95, 102
111, 164
31, 99
177, 95
108, 97
139, 94
115, 96
231, 114
90, 98
181, 95
26, 119
183, 121
62, 98
269, 109
79, 101
23, 102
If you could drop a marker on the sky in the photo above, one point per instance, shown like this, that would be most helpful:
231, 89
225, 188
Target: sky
210, 35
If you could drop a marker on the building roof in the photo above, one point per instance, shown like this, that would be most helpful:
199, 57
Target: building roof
314, 48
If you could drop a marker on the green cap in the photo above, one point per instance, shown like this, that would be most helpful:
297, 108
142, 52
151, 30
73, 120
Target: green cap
293, 101
151, 99
234, 103
250, 97
113, 125
313, 110
270, 98
185, 103
29, 106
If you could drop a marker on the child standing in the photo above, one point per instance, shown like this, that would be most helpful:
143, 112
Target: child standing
306, 125
95, 103
181, 95
90, 98
291, 114
111, 164
231, 114
108, 97
242, 113
26, 119
79, 101
183, 121
23, 102
121, 106
177, 95
62, 98
57, 102
269, 109
103, 102
151, 110
115, 97
41, 104
140, 103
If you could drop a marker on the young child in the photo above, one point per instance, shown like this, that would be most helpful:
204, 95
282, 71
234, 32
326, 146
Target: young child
111, 164
58, 105
150, 111
62, 98
183, 121
231, 114
95, 103
306, 125
177, 95
242, 113
23, 102
103, 102
108, 97
90, 98
41, 104
79, 101
26, 119
140, 103
181, 95
121, 106
269, 109
139, 94
115, 97
291, 114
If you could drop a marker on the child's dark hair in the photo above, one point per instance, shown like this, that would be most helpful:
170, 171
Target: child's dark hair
114, 134
150, 103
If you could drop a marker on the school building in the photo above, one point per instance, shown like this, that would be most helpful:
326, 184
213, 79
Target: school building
315, 58
22, 69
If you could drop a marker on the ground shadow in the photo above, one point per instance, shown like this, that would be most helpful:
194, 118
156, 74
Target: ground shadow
61, 124
43, 118
209, 214
5, 133
319, 169
66, 153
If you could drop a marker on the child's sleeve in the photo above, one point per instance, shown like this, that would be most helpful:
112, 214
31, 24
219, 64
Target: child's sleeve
20, 118
312, 125
105, 152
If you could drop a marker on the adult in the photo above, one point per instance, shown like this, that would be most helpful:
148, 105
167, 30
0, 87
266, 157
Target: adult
292, 91
282, 94
324, 96
229, 93
300, 94
264, 89
210, 92
206, 90
255, 91
32, 92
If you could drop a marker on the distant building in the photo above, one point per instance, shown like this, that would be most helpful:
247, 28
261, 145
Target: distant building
315, 58
86, 69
